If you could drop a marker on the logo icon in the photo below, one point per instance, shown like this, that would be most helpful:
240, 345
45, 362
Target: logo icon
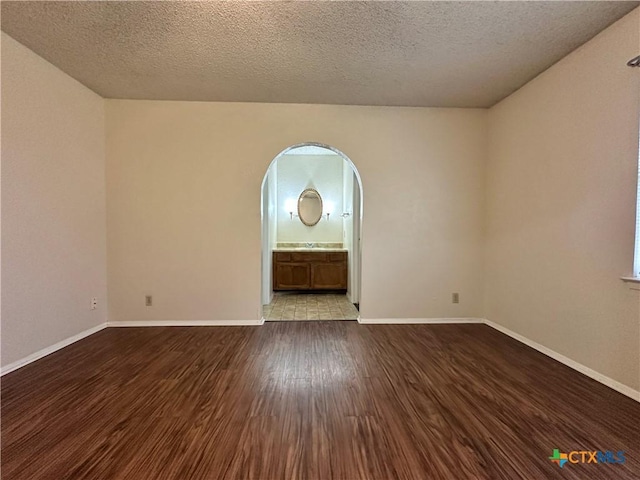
559, 458
587, 456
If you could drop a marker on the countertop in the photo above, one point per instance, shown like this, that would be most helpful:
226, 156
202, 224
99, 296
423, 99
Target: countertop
311, 249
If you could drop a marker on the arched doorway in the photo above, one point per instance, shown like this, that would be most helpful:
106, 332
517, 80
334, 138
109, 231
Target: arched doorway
335, 235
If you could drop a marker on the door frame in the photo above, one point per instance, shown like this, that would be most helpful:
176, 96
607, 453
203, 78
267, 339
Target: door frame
266, 251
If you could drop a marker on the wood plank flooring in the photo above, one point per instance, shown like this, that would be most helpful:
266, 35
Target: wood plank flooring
308, 400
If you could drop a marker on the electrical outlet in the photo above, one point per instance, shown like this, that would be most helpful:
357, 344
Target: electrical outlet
94, 303
455, 298
148, 300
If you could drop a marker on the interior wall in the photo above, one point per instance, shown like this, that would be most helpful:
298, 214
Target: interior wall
269, 242
272, 199
53, 205
268, 234
297, 173
561, 186
184, 182
347, 222
356, 257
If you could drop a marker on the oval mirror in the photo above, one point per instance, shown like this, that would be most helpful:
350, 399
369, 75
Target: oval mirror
310, 207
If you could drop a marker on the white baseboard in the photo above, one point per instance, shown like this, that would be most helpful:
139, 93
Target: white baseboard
46, 351
138, 323
186, 323
589, 372
400, 321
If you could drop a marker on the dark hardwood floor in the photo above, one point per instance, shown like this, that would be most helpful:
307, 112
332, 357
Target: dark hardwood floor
308, 400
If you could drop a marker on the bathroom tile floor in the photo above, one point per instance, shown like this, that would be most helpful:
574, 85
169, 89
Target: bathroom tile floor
309, 306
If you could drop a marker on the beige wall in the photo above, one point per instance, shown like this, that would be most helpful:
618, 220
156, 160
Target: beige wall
561, 182
183, 188
53, 205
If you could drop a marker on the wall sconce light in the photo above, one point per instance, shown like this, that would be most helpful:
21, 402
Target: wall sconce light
291, 206
328, 209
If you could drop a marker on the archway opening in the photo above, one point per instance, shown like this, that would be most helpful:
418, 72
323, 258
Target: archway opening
311, 217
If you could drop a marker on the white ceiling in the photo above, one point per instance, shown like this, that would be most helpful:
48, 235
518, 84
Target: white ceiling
453, 54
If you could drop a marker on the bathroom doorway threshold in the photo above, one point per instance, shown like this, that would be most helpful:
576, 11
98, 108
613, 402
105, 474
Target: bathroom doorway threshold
298, 306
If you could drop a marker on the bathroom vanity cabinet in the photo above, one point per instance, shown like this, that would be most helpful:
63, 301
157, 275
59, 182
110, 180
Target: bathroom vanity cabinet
310, 270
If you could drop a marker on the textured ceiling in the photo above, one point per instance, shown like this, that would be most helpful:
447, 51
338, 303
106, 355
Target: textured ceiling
454, 54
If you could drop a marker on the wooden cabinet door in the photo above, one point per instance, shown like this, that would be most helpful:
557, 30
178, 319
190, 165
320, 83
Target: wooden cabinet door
329, 276
291, 276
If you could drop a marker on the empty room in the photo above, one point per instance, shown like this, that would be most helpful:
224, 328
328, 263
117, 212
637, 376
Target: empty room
320, 240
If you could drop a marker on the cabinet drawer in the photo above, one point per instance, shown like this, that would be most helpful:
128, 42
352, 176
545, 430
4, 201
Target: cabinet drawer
337, 257
308, 257
281, 256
